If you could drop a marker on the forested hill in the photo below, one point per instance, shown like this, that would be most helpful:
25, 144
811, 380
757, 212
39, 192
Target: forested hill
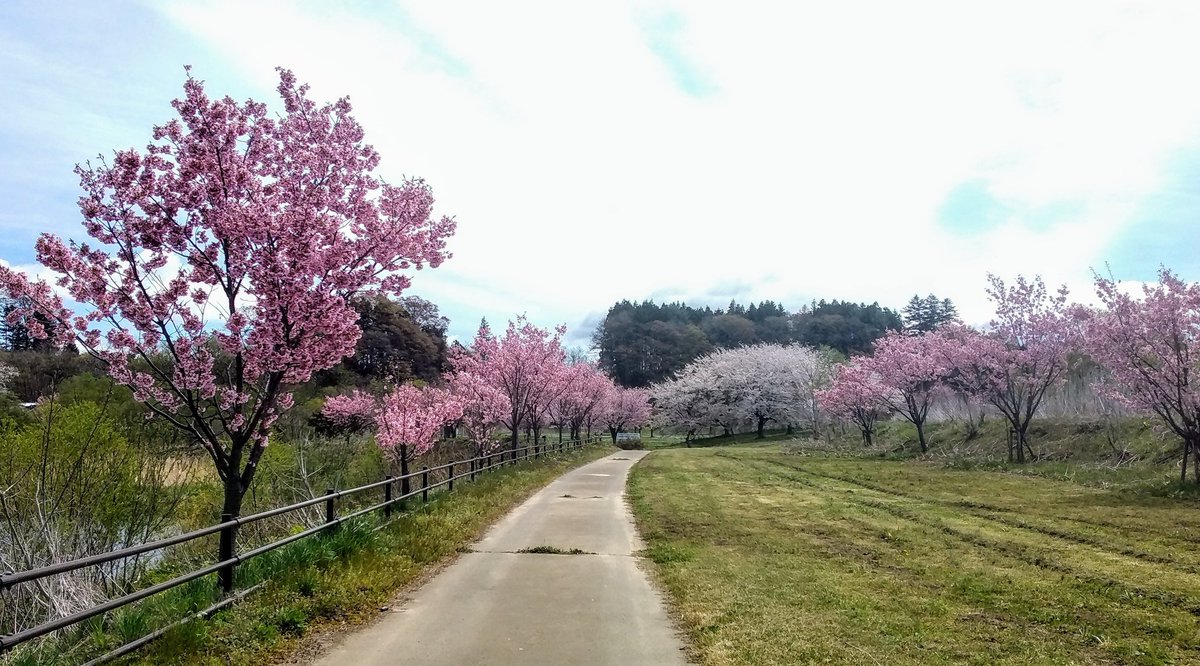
643, 343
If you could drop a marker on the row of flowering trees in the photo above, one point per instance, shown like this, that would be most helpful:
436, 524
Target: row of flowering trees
516, 382
1026, 351
756, 385
1147, 344
222, 263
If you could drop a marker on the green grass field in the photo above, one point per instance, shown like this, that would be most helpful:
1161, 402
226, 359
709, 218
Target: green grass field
778, 558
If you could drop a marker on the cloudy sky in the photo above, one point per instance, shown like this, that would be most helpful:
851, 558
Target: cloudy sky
692, 150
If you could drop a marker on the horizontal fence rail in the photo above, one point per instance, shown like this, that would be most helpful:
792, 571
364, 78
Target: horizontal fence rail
228, 558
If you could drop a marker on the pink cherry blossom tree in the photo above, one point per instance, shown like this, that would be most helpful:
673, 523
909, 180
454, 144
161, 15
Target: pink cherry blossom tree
484, 408
586, 388
556, 380
1026, 352
524, 365
913, 373
222, 258
858, 396
351, 412
625, 408
355, 410
1151, 348
409, 422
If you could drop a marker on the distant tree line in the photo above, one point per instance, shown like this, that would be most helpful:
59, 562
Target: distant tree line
644, 343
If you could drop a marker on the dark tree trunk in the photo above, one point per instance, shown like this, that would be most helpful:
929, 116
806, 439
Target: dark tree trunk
1191, 446
405, 486
921, 437
866, 435
516, 442
613, 431
762, 424
234, 495
790, 430
236, 480
1196, 461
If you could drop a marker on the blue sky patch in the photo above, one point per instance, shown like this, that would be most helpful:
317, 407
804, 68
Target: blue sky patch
1166, 228
971, 208
663, 36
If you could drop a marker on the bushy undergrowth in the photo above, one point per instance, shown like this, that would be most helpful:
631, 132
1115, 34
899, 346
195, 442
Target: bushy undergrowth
72, 484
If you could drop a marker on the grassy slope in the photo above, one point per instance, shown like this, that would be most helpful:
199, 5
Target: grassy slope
318, 582
774, 558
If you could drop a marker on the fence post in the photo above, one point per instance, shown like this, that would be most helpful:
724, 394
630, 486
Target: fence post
473, 461
450, 476
387, 497
424, 484
225, 552
329, 508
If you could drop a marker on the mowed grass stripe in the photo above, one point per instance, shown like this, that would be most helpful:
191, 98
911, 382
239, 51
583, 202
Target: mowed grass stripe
855, 584
1096, 553
1094, 569
1172, 518
766, 564
1093, 566
1155, 545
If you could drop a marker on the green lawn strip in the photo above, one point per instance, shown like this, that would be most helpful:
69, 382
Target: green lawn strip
841, 595
340, 578
767, 566
1125, 578
1146, 528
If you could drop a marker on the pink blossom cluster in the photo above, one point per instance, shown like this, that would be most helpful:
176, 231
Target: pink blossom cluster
579, 405
905, 376
1150, 347
1147, 343
521, 380
222, 258
484, 407
856, 395
624, 408
411, 418
1025, 353
351, 412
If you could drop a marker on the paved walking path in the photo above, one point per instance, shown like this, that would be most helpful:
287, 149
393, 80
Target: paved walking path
498, 606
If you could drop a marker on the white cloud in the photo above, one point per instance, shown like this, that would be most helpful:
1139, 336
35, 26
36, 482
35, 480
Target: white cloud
581, 173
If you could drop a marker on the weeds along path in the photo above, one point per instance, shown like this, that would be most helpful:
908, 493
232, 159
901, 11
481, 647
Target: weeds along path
777, 558
557, 581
